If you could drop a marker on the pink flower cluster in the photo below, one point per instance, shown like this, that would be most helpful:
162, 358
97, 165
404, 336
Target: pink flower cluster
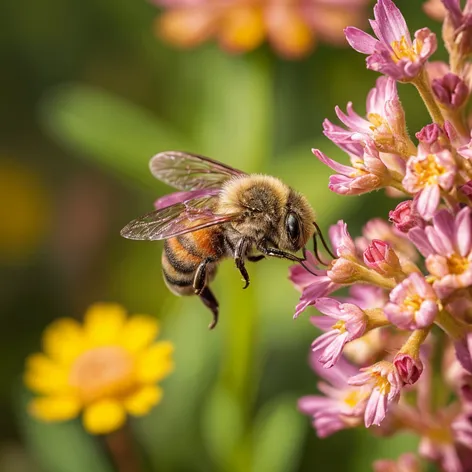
404, 331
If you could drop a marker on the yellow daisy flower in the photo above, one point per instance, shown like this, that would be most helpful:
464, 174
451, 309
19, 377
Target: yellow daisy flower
107, 368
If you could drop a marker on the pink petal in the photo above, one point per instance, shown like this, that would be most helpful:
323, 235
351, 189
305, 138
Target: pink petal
342, 169
390, 22
359, 40
418, 237
463, 231
428, 201
329, 306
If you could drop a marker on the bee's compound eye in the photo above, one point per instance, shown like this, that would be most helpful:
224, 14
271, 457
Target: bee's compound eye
293, 227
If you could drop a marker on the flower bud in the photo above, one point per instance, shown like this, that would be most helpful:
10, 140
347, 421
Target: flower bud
432, 138
380, 257
451, 91
405, 217
344, 271
409, 368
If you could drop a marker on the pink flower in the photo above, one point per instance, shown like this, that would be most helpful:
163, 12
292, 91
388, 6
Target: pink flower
405, 217
457, 27
350, 323
432, 138
450, 90
342, 406
367, 172
385, 121
405, 463
426, 175
413, 304
409, 368
377, 228
311, 286
466, 150
321, 284
385, 385
447, 440
447, 246
380, 257
393, 53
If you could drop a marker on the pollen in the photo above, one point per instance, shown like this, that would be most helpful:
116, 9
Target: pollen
403, 50
376, 120
413, 302
353, 397
457, 264
428, 170
340, 326
381, 383
102, 372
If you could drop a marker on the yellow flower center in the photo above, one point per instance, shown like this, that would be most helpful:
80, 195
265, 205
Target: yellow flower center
376, 120
414, 302
440, 435
457, 264
103, 372
381, 383
340, 325
402, 50
353, 397
428, 170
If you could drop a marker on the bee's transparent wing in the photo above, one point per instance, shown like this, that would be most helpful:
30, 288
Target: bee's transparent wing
179, 197
186, 171
174, 220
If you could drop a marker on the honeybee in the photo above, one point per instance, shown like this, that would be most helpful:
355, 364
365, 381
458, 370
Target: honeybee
220, 212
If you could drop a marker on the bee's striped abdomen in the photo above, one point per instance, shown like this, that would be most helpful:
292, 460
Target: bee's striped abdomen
183, 254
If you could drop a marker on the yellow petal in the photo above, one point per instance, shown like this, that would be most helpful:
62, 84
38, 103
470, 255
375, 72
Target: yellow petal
242, 28
63, 340
186, 27
103, 323
103, 417
139, 332
42, 375
289, 32
54, 408
143, 400
155, 363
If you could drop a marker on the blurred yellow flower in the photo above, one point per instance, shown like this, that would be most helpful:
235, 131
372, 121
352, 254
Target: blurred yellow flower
25, 212
292, 27
108, 367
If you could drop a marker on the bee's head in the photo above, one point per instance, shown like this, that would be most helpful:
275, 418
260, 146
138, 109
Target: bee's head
297, 224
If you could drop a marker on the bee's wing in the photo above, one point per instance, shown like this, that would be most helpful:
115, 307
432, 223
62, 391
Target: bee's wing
174, 220
179, 197
186, 171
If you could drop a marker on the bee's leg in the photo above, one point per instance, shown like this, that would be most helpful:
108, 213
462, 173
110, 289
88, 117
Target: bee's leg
199, 279
239, 255
207, 297
274, 252
256, 258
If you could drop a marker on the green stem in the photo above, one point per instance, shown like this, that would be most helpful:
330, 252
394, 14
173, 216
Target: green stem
414, 342
424, 89
452, 326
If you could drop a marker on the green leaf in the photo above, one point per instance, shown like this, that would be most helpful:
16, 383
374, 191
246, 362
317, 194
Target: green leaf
278, 437
110, 130
222, 427
61, 447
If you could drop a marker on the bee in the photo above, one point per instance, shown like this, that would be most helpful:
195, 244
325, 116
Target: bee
220, 212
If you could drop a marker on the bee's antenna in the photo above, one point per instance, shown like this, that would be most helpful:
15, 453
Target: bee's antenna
315, 244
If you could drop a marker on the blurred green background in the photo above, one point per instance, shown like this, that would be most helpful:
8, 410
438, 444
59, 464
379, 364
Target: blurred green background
89, 94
